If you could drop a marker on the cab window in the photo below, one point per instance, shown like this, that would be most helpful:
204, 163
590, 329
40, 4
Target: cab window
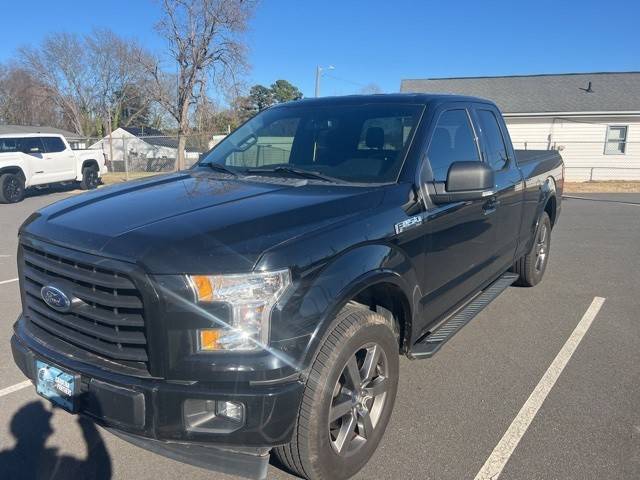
31, 145
53, 144
453, 141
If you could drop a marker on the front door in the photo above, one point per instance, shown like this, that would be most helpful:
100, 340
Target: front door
59, 160
460, 235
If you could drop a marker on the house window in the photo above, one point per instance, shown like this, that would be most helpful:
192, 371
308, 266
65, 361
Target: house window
616, 141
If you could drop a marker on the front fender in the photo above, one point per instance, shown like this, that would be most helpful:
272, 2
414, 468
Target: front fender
318, 299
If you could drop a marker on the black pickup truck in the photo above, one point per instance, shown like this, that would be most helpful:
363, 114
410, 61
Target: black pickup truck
258, 302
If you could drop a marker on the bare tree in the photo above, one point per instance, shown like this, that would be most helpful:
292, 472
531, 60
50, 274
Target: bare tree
119, 78
61, 64
23, 100
205, 40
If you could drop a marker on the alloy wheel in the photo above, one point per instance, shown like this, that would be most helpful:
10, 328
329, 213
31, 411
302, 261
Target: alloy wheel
542, 247
359, 398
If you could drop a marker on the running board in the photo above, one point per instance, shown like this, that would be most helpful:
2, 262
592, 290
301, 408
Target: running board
432, 342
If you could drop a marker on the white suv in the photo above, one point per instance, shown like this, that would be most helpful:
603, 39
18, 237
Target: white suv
38, 159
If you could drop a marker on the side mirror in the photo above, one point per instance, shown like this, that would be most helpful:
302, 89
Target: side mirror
465, 181
34, 150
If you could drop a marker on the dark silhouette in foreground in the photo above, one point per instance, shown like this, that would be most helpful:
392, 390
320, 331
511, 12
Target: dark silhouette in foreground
29, 459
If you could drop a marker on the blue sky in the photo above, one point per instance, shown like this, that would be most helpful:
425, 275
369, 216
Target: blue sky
378, 41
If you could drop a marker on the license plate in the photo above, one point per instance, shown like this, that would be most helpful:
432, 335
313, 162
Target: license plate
56, 385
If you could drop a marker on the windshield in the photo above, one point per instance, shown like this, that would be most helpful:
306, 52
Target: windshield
353, 143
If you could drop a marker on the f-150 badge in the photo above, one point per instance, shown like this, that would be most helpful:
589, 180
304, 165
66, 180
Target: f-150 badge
410, 222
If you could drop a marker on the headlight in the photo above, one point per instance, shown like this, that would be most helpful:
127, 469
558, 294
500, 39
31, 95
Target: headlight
250, 298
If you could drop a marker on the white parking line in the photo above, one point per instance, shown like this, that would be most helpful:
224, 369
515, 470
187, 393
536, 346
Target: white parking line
8, 281
15, 388
500, 456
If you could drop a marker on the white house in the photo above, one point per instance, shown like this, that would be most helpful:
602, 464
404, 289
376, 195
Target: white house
144, 149
592, 118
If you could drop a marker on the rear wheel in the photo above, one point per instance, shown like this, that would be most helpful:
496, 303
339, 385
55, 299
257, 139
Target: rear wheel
531, 267
11, 188
348, 399
90, 178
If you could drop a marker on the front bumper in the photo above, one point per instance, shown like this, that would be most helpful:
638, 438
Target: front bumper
149, 411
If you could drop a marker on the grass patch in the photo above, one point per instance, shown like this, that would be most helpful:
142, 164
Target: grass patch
117, 177
605, 186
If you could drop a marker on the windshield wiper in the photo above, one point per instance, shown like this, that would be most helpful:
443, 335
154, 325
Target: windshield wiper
221, 168
296, 171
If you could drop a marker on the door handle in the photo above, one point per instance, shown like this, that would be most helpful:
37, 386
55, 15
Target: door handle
491, 206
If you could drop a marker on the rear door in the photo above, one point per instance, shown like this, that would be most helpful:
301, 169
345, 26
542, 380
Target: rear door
508, 200
460, 235
60, 160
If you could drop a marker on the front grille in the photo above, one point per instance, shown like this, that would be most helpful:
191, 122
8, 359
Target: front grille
106, 316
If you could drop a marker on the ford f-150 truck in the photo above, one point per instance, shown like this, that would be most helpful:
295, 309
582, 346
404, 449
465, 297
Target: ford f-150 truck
258, 302
39, 159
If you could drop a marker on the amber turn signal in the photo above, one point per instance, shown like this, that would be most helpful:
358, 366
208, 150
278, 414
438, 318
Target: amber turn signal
209, 339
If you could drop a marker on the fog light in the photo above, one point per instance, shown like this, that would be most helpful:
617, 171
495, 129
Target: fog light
213, 416
231, 410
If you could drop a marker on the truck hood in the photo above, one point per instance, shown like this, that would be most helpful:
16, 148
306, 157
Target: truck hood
198, 221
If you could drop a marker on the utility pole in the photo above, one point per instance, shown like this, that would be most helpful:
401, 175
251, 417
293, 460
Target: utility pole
319, 71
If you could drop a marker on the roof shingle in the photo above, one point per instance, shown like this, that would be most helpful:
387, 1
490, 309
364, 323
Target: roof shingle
610, 92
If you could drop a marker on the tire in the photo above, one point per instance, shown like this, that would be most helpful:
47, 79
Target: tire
320, 449
531, 267
90, 178
11, 188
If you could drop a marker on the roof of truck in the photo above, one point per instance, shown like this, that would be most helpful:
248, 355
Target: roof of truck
28, 135
22, 130
414, 98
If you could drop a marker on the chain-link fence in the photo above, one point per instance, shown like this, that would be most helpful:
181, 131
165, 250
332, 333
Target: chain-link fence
130, 156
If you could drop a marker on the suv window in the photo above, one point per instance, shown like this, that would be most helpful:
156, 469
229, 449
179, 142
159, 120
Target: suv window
494, 143
53, 144
452, 141
31, 145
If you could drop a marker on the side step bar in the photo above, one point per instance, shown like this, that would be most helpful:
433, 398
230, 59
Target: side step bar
432, 342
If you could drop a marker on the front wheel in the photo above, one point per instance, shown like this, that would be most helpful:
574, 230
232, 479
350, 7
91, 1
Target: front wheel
348, 399
90, 178
531, 267
11, 188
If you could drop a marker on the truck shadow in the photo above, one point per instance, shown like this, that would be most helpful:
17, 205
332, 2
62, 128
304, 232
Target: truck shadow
56, 188
31, 459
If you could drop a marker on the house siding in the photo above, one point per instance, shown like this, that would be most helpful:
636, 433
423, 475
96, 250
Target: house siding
581, 141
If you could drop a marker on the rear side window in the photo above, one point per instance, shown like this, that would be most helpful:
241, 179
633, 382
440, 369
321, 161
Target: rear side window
494, 143
452, 141
9, 145
53, 144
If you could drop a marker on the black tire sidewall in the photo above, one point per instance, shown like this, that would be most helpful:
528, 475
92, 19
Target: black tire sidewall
327, 462
4, 179
85, 184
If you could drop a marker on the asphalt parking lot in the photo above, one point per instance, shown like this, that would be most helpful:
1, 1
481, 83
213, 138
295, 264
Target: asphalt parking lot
455, 413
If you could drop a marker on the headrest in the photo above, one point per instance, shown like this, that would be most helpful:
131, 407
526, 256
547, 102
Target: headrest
375, 138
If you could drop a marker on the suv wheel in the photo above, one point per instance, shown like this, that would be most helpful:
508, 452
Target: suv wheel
531, 267
348, 398
90, 178
11, 188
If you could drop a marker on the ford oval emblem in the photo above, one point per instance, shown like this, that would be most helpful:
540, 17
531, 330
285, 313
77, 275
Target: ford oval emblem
55, 298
